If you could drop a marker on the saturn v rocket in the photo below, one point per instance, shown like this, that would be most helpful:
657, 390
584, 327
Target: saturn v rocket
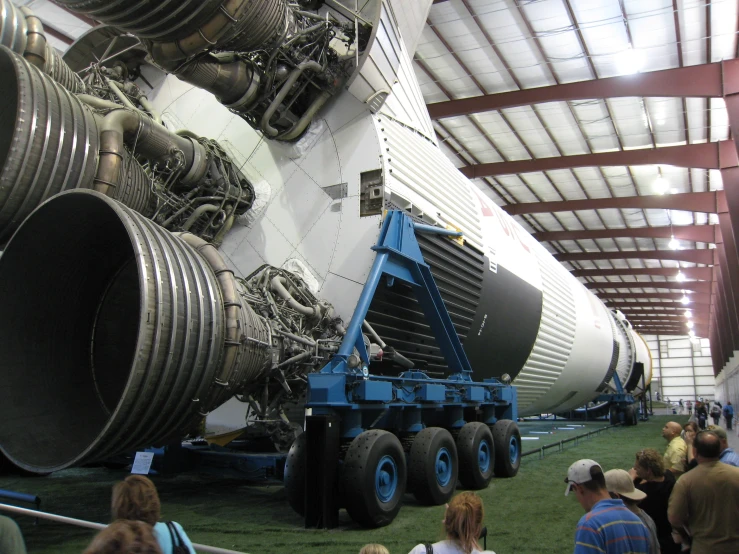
116, 334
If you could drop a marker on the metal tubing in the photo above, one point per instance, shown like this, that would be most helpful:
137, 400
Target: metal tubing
149, 107
35, 51
220, 235
296, 338
197, 212
119, 94
154, 141
98, 103
296, 130
97, 526
287, 85
278, 285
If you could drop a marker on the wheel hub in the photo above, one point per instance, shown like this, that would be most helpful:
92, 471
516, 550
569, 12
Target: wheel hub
386, 479
483, 456
513, 450
443, 467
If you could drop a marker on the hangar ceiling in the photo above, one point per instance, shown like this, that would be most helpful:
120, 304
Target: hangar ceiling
602, 126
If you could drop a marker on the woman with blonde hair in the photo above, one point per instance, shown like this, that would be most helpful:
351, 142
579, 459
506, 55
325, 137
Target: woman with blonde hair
136, 498
462, 527
373, 548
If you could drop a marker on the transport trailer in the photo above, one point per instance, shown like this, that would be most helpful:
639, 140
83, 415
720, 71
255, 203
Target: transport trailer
370, 438
618, 406
623, 407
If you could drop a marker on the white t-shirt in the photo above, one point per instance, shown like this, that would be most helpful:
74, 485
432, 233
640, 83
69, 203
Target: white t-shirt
446, 547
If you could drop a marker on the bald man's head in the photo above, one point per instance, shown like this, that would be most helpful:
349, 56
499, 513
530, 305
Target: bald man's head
707, 446
671, 430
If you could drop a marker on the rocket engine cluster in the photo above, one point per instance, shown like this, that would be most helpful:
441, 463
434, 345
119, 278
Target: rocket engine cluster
122, 326
63, 131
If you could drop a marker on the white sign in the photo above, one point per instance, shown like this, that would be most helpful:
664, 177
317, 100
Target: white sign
142, 463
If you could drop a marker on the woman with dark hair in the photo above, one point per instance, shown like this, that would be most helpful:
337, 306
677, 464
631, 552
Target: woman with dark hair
462, 527
690, 430
136, 498
124, 537
651, 478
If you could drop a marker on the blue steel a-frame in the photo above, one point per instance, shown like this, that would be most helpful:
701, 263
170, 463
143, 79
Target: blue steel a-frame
347, 388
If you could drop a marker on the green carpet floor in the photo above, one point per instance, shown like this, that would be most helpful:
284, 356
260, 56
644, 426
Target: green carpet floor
527, 514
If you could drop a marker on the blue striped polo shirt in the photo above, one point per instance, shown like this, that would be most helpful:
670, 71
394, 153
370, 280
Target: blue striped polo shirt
612, 529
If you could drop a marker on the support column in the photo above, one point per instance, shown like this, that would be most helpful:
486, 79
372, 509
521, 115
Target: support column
730, 78
717, 354
726, 257
724, 333
715, 351
730, 177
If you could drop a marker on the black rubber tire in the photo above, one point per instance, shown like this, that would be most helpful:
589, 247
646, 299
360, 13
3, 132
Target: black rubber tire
507, 453
632, 416
422, 466
295, 474
473, 443
613, 415
629, 416
358, 478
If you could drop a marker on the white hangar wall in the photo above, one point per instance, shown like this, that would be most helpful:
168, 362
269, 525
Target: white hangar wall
727, 384
681, 367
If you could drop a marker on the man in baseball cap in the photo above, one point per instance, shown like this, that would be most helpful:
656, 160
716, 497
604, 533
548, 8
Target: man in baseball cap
608, 526
620, 485
728, 456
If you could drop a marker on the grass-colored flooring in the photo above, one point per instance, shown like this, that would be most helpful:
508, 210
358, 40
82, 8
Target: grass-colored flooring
527, 514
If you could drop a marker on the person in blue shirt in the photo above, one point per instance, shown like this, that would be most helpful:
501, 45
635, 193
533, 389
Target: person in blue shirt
729, 414
136, 498
728, 456
608, 526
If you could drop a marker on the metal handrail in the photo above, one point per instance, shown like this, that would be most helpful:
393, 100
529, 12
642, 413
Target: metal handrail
98, 526
560, 444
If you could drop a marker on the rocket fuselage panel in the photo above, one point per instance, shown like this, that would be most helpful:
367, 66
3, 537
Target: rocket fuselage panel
505, 326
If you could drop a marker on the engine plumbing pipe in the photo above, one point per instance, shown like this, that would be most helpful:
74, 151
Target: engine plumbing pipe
278, 285
119, 93
35, 51
197, 212
124, 126
288, 84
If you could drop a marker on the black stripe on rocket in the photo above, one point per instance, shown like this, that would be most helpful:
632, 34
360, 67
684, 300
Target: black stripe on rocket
505, 325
